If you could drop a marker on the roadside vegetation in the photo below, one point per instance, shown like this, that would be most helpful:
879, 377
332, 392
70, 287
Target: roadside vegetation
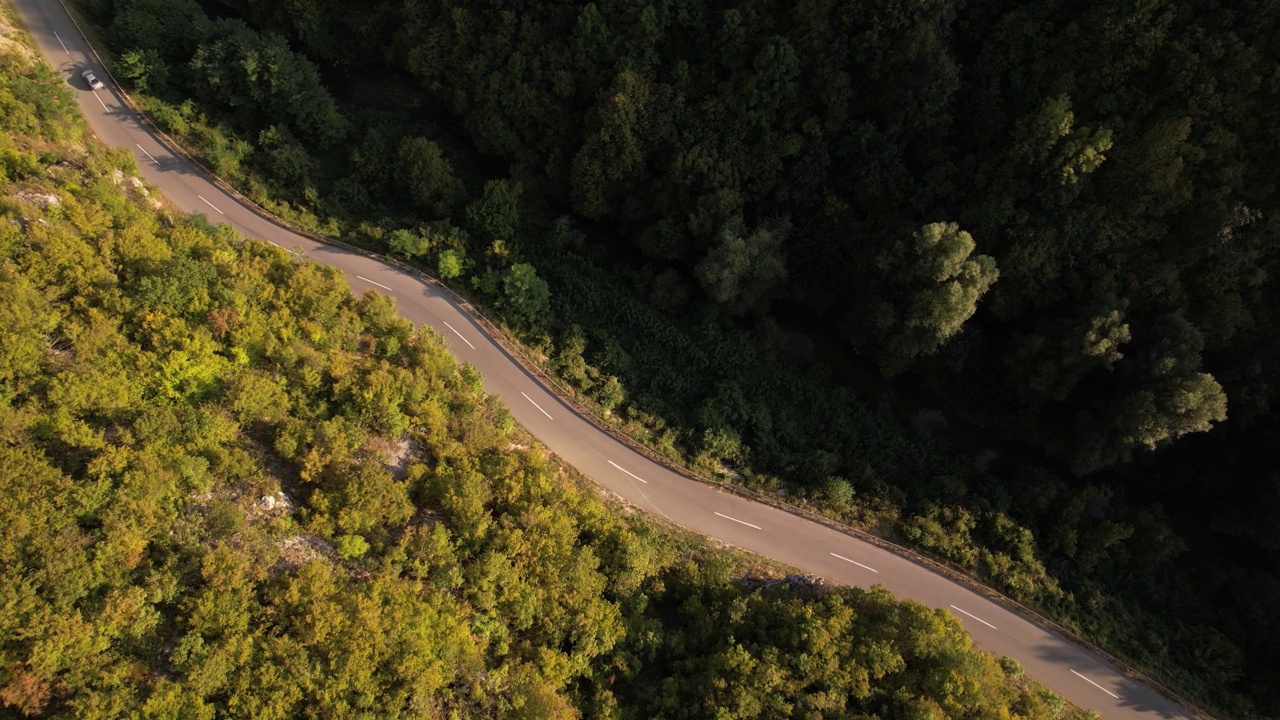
229, 488
1060, 222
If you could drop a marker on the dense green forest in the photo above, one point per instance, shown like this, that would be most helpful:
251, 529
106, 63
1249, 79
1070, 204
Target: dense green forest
229, 488
1058, 220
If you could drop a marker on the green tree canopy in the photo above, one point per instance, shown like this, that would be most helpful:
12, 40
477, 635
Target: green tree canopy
256, 77
744, 270
428, 176
931, 287
495, 216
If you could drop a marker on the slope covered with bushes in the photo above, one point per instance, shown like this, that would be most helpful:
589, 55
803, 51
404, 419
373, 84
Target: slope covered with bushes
1055, 222
229, 488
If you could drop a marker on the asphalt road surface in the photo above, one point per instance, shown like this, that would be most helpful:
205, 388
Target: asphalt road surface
1069, 669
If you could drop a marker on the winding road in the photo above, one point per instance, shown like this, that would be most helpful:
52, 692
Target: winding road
1068, 668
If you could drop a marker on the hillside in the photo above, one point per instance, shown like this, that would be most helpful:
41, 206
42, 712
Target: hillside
770, 238
229, 488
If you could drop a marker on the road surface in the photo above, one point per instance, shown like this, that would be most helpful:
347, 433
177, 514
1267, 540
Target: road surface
1069, 669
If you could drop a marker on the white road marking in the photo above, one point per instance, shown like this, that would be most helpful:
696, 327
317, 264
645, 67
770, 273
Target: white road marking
975, 617
544, 412
1096, 685
646, 482
855, 562
152, 159
291, 251
104, 105
384, 287
455, 332
742, 522
206, 202
64, 45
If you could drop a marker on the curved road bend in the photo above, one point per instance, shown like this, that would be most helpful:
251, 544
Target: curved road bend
1069, 669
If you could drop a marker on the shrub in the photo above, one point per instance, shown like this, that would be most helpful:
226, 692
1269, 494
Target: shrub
352, 547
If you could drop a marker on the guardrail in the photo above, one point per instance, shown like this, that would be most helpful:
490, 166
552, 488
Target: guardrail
571, 398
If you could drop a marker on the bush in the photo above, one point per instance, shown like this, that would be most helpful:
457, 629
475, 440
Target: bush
427, 176
496, 215
145, 70
285, 159
609, 393
838, 492
352, 547
451, 264
524, 294
1011, 667
408, 243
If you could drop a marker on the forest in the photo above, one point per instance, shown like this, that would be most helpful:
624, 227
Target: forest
1056, 221
230, 488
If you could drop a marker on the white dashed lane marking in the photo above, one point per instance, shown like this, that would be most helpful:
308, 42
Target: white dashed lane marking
206, 202
646, 482
544, 412
371, 282
855, 562
455, 332
157, 162
1096, 685
740, 522
975, 617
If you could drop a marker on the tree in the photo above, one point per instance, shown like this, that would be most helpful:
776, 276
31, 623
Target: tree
427, 176
1180, 405
1165, 394
408, 243
452, 264
286, 159
1049, 364
931, 286
144, 69
614, 150
171, 29
25, 323
352, 547
745, 269
524, 294
258, 79
496, 214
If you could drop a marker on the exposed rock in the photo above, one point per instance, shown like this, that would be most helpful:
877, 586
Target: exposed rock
804, 583
119, 178
271, 503
730, 473
301, 549
806, 580
397, 453
25, 222
44, 200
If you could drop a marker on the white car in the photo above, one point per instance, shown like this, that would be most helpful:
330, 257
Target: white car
92, 79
